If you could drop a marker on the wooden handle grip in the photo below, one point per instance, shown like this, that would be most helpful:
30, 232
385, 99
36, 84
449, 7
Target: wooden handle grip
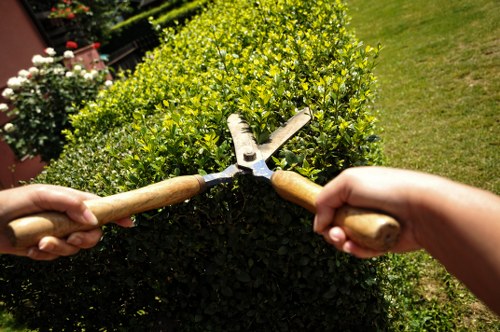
368, 228
27, 231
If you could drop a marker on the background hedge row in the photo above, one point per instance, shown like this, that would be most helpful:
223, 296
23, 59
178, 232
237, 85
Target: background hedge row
238, 257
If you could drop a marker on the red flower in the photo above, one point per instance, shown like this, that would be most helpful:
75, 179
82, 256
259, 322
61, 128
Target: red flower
71, 44
70, 16
53, 9
96, 45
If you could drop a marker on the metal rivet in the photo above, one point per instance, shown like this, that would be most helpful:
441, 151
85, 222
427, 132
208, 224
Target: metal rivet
249, 156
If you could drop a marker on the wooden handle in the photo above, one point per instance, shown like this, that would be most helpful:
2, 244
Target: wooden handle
27, 231
368, 228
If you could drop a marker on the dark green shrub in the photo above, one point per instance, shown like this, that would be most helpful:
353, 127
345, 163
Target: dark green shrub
238, 257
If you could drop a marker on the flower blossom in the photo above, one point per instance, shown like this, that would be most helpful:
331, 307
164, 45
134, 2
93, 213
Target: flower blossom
24, 73
70, 74
33, 70
108, 83
88, 76
9, 127
71, 44
14, 82
8, 93
50, 51
59, 71
39, 60
4, 107
69, 54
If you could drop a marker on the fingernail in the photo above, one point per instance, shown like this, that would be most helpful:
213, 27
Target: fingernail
334, 234
90, 218
75, 240
315, 223
45, 245
32, 252
347, 248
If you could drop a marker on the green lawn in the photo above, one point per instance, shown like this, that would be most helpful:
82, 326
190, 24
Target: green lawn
439, 84
438, 75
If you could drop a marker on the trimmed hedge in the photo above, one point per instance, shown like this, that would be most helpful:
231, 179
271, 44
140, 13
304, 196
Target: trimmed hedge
145, 15
237, 257
185, 11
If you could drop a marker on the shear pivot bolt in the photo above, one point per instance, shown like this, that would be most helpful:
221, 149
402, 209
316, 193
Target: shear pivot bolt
249, 156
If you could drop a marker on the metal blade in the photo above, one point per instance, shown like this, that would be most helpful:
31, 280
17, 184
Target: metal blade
248, 153
245, 148
283, 133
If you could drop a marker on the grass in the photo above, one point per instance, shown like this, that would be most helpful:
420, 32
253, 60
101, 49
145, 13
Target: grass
439, 84
439, 90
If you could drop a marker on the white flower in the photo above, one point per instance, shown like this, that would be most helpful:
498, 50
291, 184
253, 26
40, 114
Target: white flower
33, 70
88, 76
69, 55
9, 127
14, 82
108, 83
50, 51
59, 71
8, 93
22, 80
37, 60
77, 68
23, 73
94, 73
70, 74
4, 107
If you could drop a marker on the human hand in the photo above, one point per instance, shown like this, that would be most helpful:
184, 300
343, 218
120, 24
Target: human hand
21, 201
392, 191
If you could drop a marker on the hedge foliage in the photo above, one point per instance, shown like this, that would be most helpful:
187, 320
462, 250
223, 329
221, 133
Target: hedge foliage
237, 257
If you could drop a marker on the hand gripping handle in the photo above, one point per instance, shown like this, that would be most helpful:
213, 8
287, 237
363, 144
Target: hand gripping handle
368, 228
27, 231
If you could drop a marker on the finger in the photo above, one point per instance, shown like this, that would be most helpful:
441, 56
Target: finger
352, 248
66, 200
125, 222
85, 240
39, 255
55, 246
323, 219
335, 236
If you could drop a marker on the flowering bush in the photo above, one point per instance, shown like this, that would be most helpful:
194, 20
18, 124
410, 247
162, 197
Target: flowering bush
85, 21
41, 99
69, 9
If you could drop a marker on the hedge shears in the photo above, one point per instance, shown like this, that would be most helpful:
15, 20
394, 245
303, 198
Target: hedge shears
369, 228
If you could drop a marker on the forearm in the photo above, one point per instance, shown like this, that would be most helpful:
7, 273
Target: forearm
460, 226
